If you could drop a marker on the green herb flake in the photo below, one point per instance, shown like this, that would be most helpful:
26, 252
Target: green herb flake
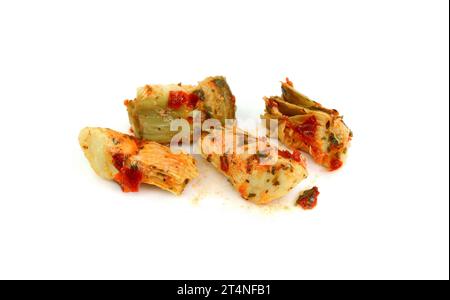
334, 140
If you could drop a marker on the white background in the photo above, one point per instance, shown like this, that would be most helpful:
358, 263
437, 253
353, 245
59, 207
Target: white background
65, 65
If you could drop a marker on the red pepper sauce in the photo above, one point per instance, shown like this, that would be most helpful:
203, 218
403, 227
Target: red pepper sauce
179, 98
193, 100
335, 164
288, 82
224, 165
308, 200
307, 130
118, 161
296, 155
129, 178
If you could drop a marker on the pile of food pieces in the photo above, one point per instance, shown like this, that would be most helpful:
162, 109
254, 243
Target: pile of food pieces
145, 157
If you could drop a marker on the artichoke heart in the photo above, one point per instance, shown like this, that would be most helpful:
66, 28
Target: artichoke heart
155, 106
130, 162
305, 125
258, 171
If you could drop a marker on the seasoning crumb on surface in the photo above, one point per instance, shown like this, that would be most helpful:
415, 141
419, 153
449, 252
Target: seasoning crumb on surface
308, 199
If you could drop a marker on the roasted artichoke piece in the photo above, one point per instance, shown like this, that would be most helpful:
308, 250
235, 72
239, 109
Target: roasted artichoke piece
308, 126
156, 106
130, 162
260, 178
218, 102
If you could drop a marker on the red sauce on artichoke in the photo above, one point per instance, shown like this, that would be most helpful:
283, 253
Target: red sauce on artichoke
288, 82
118, 161
335, 164
296, 155
307, 130
179, 98
224, 165
129, 178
